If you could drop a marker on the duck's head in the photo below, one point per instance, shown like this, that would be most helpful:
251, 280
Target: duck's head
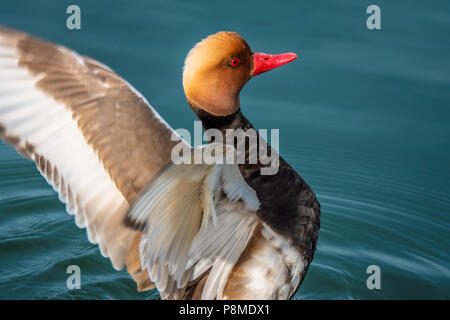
219, 66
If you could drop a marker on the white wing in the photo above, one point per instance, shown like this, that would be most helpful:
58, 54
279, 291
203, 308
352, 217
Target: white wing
92, 136
189, 226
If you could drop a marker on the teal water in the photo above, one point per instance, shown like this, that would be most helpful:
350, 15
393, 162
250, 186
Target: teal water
364, 117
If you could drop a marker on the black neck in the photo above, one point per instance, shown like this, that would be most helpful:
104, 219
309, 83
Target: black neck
233, 121
288, 205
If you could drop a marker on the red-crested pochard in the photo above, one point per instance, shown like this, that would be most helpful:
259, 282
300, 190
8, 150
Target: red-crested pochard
193, 231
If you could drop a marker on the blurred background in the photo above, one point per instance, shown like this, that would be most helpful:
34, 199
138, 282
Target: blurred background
364, 117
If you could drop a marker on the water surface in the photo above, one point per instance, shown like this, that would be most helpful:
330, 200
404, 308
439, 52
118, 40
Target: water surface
364, 116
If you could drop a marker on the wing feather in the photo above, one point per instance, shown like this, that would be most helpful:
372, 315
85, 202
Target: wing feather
189, 228
93, 137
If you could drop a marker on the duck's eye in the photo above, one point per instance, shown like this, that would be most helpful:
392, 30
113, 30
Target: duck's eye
235, 62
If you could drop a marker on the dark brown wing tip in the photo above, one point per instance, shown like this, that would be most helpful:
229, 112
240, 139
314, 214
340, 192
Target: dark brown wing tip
10, 31
145, 285
25, 151
133, 224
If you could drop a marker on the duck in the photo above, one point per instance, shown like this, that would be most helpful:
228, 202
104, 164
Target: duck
190, 230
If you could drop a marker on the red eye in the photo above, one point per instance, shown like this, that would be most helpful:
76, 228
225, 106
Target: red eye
235, 62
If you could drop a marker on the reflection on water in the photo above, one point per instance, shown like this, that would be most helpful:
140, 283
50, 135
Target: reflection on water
363, 116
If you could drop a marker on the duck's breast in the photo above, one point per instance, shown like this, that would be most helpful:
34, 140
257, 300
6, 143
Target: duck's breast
269, 268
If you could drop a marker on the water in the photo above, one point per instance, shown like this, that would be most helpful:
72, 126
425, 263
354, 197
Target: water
363, 116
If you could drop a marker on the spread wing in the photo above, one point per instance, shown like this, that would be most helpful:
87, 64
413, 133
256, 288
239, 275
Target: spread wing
195, 218
94, 138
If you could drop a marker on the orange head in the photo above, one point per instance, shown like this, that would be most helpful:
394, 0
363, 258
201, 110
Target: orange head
219, 66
